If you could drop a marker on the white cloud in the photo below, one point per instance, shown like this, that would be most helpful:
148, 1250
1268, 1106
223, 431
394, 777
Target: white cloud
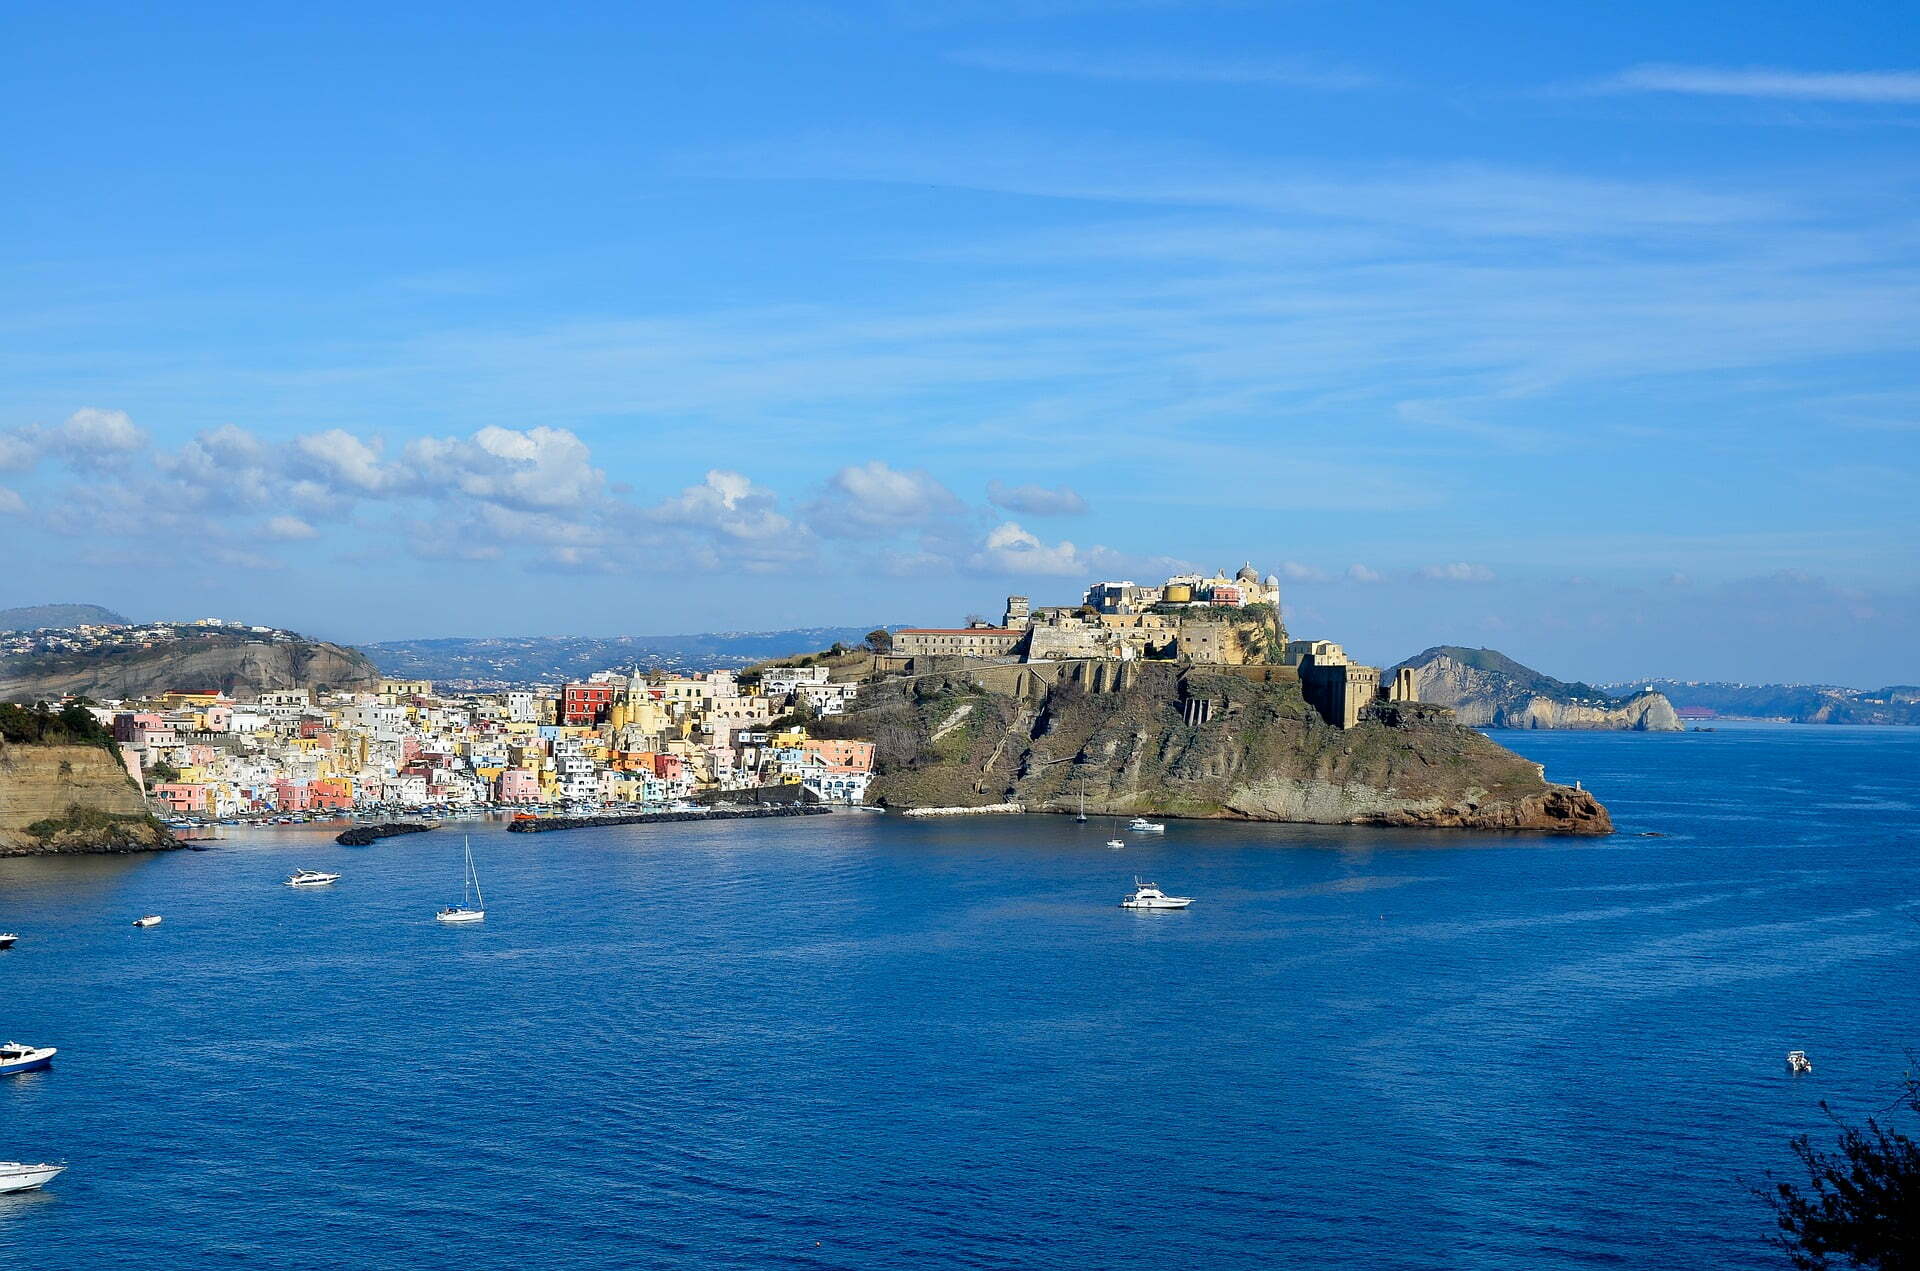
345, 463
90, 436
1457, 572
1900, 87
1162, 68
1294, 572
1036, 500
289, 529
1361, 574
536, 469
1009, 549
17, 451
875, 497
727, 504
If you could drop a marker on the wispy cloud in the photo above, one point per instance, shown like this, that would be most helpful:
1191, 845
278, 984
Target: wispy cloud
1899, 87
1137, 68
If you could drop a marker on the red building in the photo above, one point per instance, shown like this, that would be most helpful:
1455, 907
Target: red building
584, 705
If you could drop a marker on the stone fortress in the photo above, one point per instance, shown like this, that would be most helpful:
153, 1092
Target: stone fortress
1232, 623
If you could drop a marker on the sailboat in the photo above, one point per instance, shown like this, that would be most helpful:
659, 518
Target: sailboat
1082, 818
472, 906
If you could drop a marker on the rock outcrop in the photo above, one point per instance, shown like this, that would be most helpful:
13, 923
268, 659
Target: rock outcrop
234, 665
1486, 689
72, 799
1188, 742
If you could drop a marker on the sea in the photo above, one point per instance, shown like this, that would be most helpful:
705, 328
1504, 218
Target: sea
864, 1041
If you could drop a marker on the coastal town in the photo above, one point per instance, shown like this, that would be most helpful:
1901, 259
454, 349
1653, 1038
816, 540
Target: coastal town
653, 738
613, 739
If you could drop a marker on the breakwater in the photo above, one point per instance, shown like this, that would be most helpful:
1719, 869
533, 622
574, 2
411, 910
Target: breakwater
362, 835
539, 825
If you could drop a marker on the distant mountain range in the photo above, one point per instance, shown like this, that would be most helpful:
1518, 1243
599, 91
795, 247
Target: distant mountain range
490, 662
1798, 703
34, 617
1488, 689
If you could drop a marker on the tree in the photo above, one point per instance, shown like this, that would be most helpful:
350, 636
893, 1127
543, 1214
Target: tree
879, 640
1860, 1206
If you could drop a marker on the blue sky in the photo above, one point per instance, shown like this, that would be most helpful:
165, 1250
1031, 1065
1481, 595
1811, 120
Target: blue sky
1586, 334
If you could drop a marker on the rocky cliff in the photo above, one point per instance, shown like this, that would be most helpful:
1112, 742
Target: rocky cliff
1487, 689
233, 664
72, 799
1168, 741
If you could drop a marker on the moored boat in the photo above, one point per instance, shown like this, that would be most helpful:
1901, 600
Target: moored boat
1140, 825
19, 1176
15, 1057
1116, 842
1148, 896
472, 906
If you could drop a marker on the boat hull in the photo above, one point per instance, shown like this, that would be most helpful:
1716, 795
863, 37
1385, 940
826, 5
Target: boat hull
1155, 904
15, 1177
463, 915
146, 922
34, 1064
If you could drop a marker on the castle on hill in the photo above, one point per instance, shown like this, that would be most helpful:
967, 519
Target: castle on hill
1192, 619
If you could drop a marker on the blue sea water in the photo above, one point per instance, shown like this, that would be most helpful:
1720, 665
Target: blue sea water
863, 1042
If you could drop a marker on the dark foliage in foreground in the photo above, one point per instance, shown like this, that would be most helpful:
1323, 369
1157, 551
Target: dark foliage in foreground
1860, 1205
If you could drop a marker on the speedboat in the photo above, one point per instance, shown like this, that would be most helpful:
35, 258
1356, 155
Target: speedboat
311, 878
1798, 1062
1116, 842
18, 1176
6, 939
150, 920
1147, 896
1141, 825
15, 1057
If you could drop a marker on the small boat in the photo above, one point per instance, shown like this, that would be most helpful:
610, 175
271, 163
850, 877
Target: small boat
15, 1057
1116, 842
1148, 896
18, 1176
472, 906
6, 939
150, 920
1140, 825
311, 878
1798, 1062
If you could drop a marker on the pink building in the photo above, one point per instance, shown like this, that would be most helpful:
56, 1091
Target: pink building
843, 756
291, 796
517, 785
183, 797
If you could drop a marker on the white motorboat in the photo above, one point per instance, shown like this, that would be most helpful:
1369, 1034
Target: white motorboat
472, 906
18, 1176
1140, 825
1147, 896
1116, 842
1797, 1061
150, 920
311, 878
6, 939
15, 1057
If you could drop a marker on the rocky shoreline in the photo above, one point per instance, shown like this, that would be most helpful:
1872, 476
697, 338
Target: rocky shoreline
363, 835
1192, 742
540, 825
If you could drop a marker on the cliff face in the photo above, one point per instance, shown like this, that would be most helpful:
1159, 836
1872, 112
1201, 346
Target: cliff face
235, 666
76, 799
1191, 743
1488, 690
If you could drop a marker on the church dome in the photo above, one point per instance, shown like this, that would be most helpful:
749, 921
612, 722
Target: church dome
1273, 580
1246, 574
